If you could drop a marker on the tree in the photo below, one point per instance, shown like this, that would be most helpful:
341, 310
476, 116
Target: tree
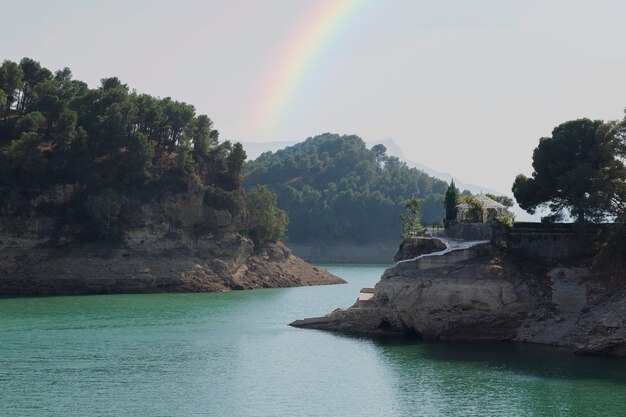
33, 75
411, 225
65, 129
450, 202
139, 156
266, 222
474, 212
575, 171
25, 158
11, 79
50, 101
380, 151
616, 132
234, 163
201, 135
32, 122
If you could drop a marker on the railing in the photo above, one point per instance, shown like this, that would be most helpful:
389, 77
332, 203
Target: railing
436, 231
430, 231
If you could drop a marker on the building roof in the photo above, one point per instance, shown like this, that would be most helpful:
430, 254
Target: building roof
488, 203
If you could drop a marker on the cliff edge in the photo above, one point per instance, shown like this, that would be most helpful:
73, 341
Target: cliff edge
173, 242
473, 291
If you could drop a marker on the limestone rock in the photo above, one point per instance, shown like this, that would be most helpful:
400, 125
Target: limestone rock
475, 294
173, 242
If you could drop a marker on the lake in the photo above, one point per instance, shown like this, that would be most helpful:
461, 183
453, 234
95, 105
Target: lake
233, 354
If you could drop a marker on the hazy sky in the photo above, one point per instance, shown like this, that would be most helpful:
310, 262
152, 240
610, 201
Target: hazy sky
466, 87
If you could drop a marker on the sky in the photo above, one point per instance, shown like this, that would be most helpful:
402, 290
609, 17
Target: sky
463, 87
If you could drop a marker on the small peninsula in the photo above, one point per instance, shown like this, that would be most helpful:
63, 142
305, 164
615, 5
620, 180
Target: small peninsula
105, 190
541, 288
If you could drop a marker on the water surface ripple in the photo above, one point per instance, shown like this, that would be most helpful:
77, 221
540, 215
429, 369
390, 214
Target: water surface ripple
232, 354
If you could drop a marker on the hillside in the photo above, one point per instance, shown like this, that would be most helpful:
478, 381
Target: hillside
107, 190
335, 189
255, 149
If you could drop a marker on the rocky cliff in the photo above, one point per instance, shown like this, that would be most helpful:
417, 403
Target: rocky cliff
172, 242
477, 292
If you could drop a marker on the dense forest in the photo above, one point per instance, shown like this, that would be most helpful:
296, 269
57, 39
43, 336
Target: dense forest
334, 189
106, 143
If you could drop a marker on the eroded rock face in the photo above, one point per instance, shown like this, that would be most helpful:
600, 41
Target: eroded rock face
227, 263
174, 243
473, 299
474, 294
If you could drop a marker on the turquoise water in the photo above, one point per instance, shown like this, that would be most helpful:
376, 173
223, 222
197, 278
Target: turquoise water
232, 354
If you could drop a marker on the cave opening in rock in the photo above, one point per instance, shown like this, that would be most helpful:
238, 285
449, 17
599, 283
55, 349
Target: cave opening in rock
385, 326
412, 333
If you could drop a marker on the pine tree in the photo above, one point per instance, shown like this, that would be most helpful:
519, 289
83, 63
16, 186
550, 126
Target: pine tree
450, 202
411, 224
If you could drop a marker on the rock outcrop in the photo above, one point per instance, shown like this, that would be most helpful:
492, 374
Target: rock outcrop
175, 242
474, 292
227, 263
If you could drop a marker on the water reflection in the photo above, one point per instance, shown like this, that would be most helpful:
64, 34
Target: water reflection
499, 378
234, 354
524, 359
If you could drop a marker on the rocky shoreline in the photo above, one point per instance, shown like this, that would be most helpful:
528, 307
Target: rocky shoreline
121, 269
479, 293
172, 242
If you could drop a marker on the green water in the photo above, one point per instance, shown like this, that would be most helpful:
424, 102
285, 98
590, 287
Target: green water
233, 354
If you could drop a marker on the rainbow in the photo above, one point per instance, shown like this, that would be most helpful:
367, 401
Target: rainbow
297, 61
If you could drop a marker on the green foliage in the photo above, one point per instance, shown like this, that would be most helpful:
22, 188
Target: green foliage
139, 156
474, 213
335, 189
576, 170
218, 198
505, 218
25, 159
234, 163
612, 249
502, 199
380, 152
202, 135
31, 123
451, 200
411, 225
11, 80
57, 131
266, 222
